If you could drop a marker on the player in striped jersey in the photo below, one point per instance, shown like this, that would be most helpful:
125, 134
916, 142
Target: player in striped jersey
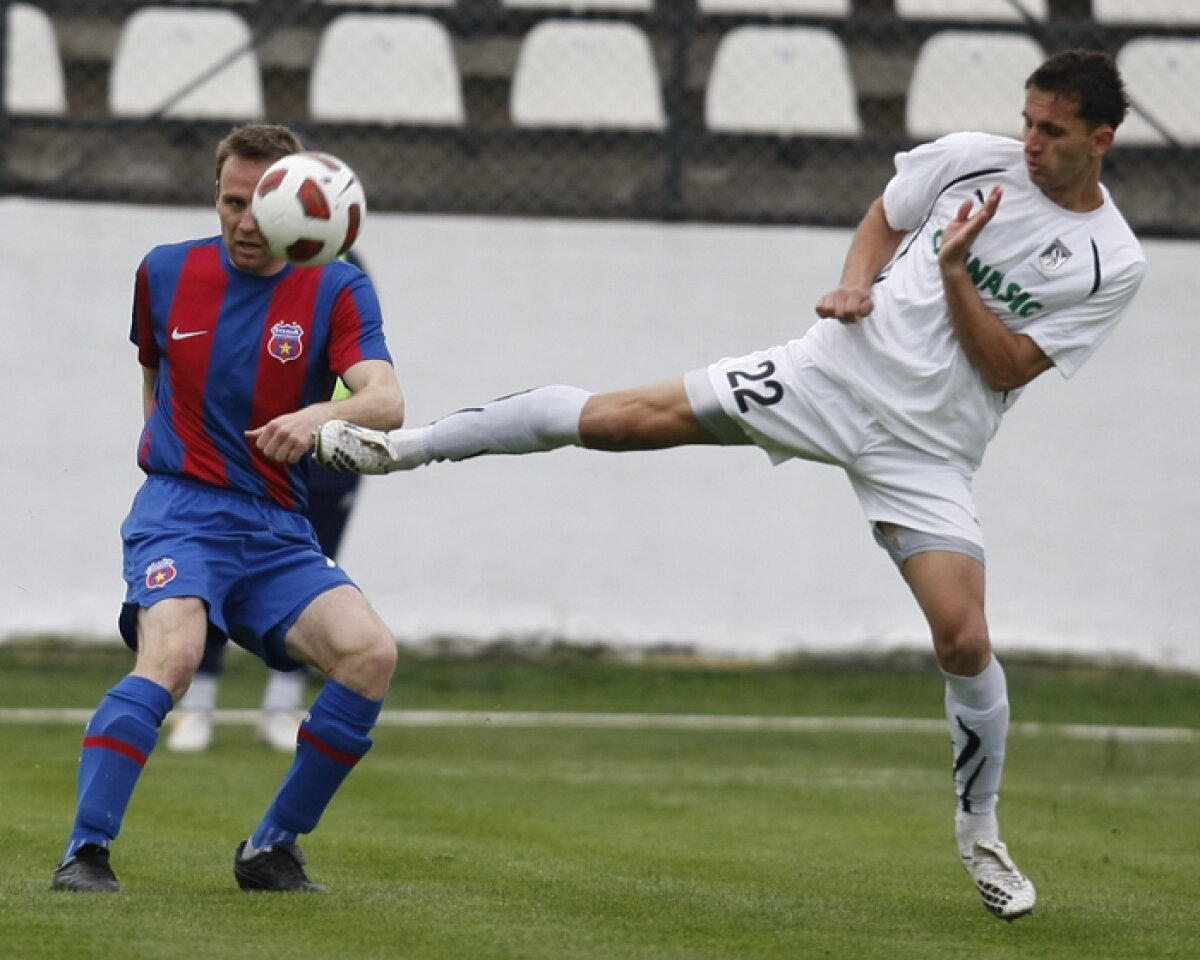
239, 353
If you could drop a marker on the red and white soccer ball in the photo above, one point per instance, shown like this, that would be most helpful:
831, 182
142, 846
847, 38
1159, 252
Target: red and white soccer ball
310, 208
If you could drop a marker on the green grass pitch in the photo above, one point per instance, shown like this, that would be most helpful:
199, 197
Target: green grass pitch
487, 842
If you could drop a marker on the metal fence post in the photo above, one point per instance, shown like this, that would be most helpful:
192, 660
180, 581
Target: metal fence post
681, 17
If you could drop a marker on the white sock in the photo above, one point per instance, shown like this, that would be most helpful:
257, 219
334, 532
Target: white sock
544, 418
201, 696
977, 709
972, 828
285, 691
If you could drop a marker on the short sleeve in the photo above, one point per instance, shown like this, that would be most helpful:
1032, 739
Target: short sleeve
357, 326
925, 171
141, 332
1070, 336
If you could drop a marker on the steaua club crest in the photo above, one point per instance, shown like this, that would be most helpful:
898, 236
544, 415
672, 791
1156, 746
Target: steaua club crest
160, 573
285, 343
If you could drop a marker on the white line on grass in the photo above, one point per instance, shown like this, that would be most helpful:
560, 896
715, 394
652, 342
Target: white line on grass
667, 721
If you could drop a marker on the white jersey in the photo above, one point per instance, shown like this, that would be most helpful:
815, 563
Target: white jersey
1062, 278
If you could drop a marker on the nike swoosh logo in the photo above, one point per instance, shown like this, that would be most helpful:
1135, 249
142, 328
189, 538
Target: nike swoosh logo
177, 334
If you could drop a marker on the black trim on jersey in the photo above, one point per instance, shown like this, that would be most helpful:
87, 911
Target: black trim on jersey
953, 183
1095, 268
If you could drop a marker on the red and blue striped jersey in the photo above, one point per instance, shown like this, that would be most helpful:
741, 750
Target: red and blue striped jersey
234, 350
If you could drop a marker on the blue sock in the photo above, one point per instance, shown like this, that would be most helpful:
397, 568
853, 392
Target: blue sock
333, 738
116, 744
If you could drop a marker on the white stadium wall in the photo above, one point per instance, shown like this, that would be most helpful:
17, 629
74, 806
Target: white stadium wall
1090, 496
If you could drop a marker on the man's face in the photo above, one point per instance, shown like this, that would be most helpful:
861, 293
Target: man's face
1060, 152
247, 248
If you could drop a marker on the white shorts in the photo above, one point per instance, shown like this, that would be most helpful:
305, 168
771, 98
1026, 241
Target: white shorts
780, 401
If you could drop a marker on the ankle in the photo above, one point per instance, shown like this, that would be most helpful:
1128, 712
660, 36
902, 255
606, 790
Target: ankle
973, 828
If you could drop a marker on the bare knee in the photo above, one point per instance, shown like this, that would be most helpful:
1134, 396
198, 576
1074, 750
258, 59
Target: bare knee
949, 586
964, 652
367, 667
342, 634
171, 637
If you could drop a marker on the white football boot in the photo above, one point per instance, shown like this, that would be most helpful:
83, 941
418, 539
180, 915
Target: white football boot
1006, 891
344, 447
192, 731
277, 729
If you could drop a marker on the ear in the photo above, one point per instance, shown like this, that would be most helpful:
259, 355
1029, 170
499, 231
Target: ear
1102, 139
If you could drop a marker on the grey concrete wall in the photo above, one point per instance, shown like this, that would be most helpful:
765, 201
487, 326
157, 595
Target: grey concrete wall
1089, 495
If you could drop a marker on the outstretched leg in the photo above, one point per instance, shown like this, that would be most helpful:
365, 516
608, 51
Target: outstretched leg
643, 418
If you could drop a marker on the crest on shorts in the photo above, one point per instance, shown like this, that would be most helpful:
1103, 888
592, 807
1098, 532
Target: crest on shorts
285, 343
160, 573
1055, 255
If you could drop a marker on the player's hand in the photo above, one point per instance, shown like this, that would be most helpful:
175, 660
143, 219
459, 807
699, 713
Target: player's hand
962, 231
847, 304
286, 438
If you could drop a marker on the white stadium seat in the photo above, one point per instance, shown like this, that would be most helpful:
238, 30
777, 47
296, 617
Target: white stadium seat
970, 80
782, 80
386, 68
1170, 12
1162, 75
976, 11
195, 63
33, 73
587, 74
777, 8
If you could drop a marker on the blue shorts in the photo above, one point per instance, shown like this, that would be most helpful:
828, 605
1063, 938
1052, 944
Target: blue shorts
254, 564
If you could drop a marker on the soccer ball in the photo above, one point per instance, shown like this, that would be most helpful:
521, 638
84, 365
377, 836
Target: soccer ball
309, 207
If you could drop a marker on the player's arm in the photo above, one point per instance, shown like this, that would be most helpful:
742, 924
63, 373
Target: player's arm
1005, 360
375, 401
875, 243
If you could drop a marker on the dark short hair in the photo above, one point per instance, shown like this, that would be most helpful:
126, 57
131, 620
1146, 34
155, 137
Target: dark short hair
257, 141
1089, 77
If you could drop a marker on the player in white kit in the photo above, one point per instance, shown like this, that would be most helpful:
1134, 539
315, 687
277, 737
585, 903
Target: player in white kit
985, 262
